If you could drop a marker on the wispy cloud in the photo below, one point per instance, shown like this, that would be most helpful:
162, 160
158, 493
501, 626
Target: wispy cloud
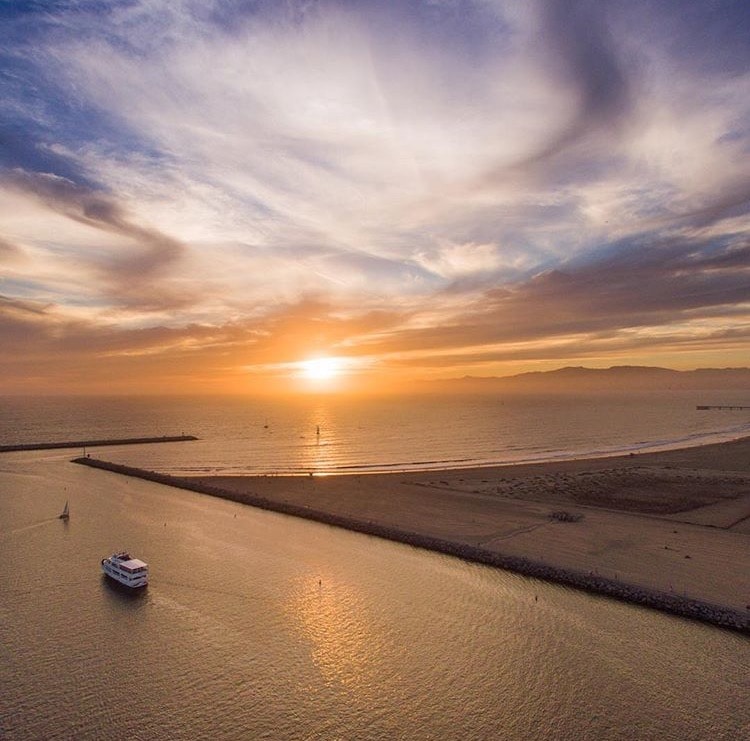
128, 269
463, 183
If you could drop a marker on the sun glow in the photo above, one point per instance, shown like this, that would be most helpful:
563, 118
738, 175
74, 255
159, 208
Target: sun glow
320, 369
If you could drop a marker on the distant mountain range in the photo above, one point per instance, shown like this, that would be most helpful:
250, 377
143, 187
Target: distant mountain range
616, 378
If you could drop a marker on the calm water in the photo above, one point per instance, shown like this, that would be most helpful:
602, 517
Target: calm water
257, 625
245, 435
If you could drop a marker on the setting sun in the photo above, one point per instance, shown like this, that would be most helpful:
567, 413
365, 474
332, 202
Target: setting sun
320, 369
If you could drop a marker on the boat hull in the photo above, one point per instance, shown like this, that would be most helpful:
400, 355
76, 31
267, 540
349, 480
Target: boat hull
112, 586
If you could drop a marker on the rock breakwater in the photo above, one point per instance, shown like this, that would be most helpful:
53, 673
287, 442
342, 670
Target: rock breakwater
96, 443
675, 604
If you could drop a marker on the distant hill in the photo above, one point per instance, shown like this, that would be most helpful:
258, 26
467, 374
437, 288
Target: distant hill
616, 378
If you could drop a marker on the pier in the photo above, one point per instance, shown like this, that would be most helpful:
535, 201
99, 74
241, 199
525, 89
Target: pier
702, 408
97, 443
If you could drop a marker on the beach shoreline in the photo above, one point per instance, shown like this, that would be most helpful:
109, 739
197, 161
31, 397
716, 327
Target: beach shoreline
669, 529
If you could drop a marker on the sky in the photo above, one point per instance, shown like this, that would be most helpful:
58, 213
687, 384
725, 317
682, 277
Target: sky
238, 196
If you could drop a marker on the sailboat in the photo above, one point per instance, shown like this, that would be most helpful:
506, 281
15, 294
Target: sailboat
65, 515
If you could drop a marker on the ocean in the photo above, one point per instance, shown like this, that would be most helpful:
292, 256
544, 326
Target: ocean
261, 626
330, 434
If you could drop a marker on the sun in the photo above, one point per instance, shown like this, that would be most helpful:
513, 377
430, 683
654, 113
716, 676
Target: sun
320, 369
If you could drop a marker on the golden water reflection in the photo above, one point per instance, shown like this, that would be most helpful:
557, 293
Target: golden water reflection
343, 635
322, 437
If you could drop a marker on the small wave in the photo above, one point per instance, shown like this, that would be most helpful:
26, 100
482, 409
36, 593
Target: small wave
421, 449
543, 455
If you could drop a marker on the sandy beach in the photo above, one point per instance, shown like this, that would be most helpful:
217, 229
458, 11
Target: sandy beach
675, 523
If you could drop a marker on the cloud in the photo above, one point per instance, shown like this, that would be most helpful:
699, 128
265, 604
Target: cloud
583, 56
20, 150
9, 252
414, 179
459, 260
129, 273
99, 357
645, 289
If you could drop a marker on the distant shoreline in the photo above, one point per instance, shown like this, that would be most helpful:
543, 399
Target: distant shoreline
95, 443
670, 530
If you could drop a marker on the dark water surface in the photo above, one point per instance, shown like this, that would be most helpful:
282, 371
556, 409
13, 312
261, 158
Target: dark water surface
256, 625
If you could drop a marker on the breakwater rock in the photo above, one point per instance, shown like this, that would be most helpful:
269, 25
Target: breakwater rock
682, 606
96, 443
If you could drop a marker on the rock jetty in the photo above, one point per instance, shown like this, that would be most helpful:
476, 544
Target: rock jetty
96, 443
679, 605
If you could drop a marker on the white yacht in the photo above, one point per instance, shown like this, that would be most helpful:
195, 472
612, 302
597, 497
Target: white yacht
123, 568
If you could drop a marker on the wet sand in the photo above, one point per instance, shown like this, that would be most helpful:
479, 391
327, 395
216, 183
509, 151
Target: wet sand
673, 526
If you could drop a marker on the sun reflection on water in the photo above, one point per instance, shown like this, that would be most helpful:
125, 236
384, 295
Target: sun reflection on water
333, 618
322, 439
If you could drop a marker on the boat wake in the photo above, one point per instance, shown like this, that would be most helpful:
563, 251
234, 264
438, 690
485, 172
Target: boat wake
27, 528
